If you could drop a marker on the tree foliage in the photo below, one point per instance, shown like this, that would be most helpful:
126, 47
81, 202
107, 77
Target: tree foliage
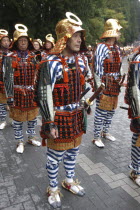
41, 16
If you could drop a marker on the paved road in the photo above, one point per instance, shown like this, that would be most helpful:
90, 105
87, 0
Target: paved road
103, 172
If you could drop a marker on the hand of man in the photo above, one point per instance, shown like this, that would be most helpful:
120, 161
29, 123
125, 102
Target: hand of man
53, 133
51, 130
10, 102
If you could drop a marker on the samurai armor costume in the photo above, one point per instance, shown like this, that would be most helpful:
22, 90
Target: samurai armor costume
89, 55
132, 98
20, 70
61, 81
4, 45
3, 99
65, 76
2, 91
69, 83
20, 84
107, 67
48, 38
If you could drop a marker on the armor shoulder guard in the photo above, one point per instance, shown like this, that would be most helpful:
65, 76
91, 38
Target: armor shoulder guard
44, 93
133, 91
44, 80
97, 81
8, 76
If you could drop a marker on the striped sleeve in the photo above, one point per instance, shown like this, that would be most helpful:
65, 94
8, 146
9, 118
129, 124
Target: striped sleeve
55, 68
137, 65
100, 54
86, 66
137, 70
137, 58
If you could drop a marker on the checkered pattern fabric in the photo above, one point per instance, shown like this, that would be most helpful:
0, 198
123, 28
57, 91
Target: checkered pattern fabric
24, 81
70, 125
69, 92
1, 73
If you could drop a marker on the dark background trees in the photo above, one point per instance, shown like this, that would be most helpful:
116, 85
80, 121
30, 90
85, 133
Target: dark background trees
41, 16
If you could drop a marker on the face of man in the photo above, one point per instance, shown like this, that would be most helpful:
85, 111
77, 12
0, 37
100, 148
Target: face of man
5, 42
119, 35
23, 43
74, 43
89, 48
48, 45
36, 45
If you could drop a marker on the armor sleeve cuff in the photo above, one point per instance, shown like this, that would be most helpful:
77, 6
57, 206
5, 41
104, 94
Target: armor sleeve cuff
10, 101
47, 126
52, 125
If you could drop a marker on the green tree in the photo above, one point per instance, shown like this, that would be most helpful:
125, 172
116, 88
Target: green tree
41, 16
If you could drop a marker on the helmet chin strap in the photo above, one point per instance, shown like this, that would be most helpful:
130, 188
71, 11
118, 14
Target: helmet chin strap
111, 40
67, 52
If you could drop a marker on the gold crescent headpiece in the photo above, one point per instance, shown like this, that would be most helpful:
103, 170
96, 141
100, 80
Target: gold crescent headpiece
69, 16
21, 28
48, 36
40, 42
3, 32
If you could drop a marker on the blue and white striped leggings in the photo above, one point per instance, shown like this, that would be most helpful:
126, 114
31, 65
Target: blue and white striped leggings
135, 155
18, 128
54, 157
102, 120
3, 112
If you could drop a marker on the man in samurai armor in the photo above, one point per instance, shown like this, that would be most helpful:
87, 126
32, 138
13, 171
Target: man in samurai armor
48, 45
37, 44
132, 98
4, 49
107, 64
20, 69
60, 84
89, 54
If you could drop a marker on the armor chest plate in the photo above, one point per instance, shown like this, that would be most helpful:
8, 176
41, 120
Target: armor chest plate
1, 73
25, 71
68, 92
24, 82
112, 63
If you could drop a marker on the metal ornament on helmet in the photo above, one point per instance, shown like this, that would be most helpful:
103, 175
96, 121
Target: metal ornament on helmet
50, 38
112, 24
39, 41
71, 20
21, 30
3, 33
111, 28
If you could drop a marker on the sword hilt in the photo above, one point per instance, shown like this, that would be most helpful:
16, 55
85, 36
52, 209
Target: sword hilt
122, 107
96, 93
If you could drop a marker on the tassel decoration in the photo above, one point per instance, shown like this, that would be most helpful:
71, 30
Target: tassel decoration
14, 64
17, 73
65, 74
44, 142
82, 79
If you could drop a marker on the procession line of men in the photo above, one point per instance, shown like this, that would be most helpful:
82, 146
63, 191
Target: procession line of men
54, 81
